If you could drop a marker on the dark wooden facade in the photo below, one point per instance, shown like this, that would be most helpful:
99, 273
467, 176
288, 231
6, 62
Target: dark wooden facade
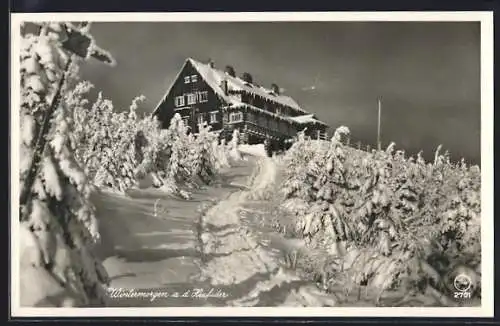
196, 98
191, 111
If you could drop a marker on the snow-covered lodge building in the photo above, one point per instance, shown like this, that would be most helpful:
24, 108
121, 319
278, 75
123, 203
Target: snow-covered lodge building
202, 93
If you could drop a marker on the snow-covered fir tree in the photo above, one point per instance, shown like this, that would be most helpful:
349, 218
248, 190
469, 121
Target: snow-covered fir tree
179, 165
399, 216
205, 155
58, 226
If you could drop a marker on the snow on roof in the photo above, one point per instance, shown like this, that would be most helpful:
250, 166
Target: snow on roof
214, 77
308, 118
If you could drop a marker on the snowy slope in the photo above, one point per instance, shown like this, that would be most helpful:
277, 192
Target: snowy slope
255, 150
154, 241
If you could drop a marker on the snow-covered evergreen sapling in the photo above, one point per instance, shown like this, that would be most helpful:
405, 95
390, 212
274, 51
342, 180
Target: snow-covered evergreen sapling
234, 151
179, 164
221, 151
204, 158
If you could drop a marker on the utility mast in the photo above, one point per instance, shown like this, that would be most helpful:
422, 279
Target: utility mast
379, 144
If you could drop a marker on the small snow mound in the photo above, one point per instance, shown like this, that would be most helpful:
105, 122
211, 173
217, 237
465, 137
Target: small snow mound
255, 150
235, 154
147, 181
150, 180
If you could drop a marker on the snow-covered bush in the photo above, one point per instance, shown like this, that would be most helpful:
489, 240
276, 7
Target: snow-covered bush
342, 134
58, 226
234, 152
205, 155
221, 152
412, 221
179, 164
119, 148
298, 182
109, 147
153, 149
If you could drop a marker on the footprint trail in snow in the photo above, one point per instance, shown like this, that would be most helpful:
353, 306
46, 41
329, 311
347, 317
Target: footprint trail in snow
235, 259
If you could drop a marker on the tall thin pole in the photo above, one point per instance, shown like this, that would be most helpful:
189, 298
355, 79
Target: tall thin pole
379, 145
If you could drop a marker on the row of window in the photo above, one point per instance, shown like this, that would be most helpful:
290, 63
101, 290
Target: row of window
201, 118
233, 117
190, 79
192, 98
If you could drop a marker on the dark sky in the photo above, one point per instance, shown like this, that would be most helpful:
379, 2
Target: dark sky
428, 74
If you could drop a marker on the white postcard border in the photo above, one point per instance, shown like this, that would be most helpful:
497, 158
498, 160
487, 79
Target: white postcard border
487, 152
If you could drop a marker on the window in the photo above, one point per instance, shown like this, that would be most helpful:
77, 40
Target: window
274, 124
200, 119
262, 120
213, 117
187, 80
194, 78
191, 98
203, 96
235, 117
179, 101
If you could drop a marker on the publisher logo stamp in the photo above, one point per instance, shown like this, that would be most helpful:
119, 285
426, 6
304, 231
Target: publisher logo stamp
462, 284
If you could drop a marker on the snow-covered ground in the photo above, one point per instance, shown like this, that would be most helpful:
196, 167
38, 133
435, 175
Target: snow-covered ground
211, 243
255, 150
153, 241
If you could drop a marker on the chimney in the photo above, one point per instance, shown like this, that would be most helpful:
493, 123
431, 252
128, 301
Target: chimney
230, 71
247, 77
224, 86
211, 63
275, 88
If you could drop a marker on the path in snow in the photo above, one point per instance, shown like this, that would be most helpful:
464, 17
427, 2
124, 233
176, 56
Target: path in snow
150, 239
238, 259
154, 242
